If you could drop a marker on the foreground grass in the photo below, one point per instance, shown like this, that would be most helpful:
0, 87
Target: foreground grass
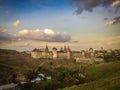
101, 77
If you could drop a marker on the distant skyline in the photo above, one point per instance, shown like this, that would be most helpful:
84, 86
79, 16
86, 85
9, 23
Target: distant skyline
83, 24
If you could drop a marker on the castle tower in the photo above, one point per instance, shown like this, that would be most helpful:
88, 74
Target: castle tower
102, 48
91, 52
55, 54
68, 53
69, 48
83, 53
65, 50
46, 48
61, 49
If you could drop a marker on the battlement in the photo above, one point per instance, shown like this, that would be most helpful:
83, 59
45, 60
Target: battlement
88, 55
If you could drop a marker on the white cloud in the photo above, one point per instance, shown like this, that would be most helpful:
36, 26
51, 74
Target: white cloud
49, 32
44, 35
24, 32
16, 23
48, 35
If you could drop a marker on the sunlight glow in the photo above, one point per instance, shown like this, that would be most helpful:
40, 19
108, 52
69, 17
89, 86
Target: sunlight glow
49, 31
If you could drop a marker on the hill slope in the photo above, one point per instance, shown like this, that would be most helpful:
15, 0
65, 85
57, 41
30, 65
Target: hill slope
12, 62
101, 77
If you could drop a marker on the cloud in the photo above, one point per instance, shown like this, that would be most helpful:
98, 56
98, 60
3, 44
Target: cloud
74, 41
48, 35
116, 20
89, 5
22, 44
16, 23
116, 3
105, 18
26, 44
49, 31
44, 35
3, 30
4, 36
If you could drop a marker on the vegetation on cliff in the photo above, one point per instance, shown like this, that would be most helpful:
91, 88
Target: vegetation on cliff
13, 62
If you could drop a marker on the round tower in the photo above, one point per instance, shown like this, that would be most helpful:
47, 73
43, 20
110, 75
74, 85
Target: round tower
55, 54
68, 53
65, 49
83, 53
91, 52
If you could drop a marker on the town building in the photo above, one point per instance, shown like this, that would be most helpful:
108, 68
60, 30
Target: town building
65, 52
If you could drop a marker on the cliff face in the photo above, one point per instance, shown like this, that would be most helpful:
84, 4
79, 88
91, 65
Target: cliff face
13, 62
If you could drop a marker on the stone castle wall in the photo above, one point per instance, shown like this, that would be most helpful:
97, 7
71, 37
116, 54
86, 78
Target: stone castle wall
90, 56
54, 54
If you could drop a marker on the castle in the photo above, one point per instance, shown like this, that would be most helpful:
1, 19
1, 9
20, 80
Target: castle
89, 55
63, 53
54, 54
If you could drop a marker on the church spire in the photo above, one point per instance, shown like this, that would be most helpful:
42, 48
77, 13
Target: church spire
65, 48
46, 48
68, 48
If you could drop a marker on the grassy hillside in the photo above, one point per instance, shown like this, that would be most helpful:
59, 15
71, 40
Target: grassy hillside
13, 62
101, 77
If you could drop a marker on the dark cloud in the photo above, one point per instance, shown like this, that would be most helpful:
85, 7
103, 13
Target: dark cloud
89, 5
105, 18
115, 20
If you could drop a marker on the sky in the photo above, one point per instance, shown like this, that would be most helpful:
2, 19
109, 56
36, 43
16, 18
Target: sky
81, 24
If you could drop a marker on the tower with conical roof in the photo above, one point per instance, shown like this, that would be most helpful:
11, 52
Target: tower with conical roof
46, 48
61, 49
65, 50
69, 48
68, 52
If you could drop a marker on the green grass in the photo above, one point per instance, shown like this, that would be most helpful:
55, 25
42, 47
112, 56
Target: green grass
101, 77
105, 70
103, 84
